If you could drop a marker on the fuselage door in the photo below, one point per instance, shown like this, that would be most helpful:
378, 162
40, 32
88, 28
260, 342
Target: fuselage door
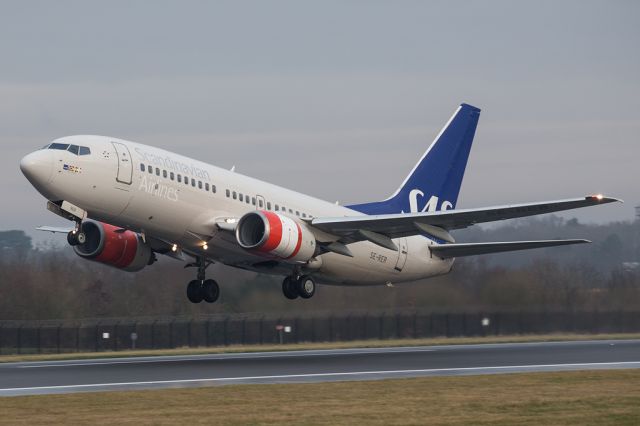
402, 253
260, 203
125, 165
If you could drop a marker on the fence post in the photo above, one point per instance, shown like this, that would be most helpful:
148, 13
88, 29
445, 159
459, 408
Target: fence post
97, 331
115, 337
226, 330
313, 329
331, 328
364, 327
446, 325
19, 339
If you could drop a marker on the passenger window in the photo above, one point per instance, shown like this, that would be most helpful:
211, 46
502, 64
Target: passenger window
235, 196
180, 178
240, 197
304, 215
85, 150
260, 203
74, 149
290, 211
268, 205
277, 207
164, 174
142, 168
186, 180
247, 200
297, 213
172, 176
213, 189
193, 182
200, 184
60, 146
157, 171
206, 186
253, 200
227, 192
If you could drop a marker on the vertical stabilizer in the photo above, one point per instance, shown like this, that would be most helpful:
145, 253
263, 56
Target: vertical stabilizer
434, 183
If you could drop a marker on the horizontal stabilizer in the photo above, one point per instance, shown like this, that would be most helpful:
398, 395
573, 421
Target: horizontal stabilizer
54, 229
446, 251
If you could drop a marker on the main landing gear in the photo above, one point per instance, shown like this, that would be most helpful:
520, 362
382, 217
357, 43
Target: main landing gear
302, 286
202, 289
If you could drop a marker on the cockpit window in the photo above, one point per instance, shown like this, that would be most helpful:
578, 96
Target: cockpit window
74, 149
60, 146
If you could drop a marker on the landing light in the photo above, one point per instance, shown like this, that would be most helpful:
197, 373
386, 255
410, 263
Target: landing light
205, 246
599, 197
230, 220
174, 248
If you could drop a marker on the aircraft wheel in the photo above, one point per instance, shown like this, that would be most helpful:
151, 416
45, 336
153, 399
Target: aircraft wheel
289, 288
72, 238
195, 291
82, 238
306, 287
210, 291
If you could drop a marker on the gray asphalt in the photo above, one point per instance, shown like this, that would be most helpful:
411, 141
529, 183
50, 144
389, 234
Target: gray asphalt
47, 377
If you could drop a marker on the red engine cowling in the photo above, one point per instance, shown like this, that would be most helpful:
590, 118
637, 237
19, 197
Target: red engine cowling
276, 235
123, 250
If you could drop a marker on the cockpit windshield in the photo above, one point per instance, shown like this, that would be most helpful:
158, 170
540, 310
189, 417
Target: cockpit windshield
74, 149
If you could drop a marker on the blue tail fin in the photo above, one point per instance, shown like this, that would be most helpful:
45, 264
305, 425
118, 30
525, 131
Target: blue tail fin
434, 183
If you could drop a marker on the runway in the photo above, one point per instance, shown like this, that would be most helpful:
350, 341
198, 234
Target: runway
47, 377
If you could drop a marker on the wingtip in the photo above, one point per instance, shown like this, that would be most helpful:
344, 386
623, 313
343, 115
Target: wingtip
602, 199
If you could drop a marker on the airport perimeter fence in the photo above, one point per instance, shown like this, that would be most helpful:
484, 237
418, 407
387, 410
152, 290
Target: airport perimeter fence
28, 337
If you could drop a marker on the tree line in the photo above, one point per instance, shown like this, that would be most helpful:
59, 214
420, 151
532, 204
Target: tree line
54, 283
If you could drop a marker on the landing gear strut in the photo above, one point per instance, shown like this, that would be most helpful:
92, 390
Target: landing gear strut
202, 289
302, 286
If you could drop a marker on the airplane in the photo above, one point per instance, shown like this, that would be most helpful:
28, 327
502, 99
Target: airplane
130, 202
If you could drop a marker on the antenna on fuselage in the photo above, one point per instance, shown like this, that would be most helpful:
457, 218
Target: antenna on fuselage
233, 168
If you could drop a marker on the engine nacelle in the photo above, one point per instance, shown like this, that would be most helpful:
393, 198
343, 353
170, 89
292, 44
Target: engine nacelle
122, 249
276, 235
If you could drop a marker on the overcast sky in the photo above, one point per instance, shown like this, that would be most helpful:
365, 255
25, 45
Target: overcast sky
335, 99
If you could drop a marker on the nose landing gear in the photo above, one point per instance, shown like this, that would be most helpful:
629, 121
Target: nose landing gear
302, 286
202, 289
76, 237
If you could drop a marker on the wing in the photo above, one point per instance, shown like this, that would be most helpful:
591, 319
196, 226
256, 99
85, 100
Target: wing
384, 227
446, 251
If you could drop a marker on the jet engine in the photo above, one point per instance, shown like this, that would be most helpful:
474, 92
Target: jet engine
275, 235
113, 246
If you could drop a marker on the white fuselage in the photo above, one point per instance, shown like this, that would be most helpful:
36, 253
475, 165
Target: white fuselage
111, 186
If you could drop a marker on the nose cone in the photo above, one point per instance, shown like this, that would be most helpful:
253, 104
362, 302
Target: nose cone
38, 167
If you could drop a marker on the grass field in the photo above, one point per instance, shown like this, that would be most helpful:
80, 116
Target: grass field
326, 345
578, 398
